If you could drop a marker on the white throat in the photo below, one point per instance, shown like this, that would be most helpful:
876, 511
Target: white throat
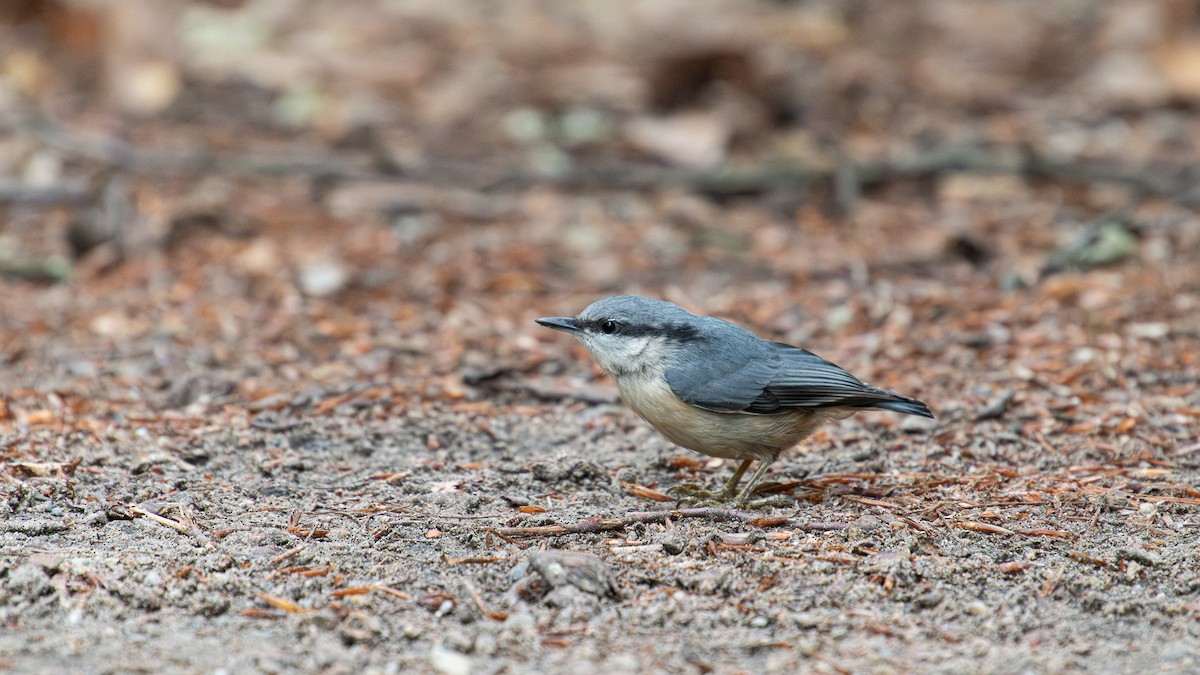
622, 355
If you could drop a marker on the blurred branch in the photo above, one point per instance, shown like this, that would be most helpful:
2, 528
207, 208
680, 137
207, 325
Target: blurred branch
123, 156
848, 178
1176, 182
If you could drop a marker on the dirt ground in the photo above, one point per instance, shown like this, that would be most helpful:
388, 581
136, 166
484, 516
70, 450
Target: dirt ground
272, 398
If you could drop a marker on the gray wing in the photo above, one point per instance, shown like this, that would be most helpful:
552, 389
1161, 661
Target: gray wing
806, 380
767, 377
726, 370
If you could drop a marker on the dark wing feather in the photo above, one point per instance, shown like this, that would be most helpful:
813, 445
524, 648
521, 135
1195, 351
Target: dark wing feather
732, 370
805, 380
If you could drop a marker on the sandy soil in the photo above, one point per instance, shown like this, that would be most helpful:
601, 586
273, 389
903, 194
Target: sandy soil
362, 542
272, 398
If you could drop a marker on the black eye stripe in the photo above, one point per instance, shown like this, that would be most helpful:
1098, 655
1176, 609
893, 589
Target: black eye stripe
599, 325
672, 331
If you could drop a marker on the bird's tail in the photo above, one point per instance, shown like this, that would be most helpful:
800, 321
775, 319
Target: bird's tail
903, 404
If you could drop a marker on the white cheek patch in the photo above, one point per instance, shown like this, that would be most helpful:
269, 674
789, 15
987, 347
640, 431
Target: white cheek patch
621, 354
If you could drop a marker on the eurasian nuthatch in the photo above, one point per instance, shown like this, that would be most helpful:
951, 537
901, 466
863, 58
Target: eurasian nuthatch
716, 388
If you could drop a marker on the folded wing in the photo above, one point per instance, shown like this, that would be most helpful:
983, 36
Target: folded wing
753, 376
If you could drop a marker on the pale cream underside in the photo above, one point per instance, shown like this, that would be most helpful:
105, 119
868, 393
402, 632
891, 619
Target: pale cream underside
638, 364
718, 434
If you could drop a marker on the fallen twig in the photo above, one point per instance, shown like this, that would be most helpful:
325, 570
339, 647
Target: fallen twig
514, 542
183, 527
475, 560
984, 527
593, 525
392, 592
1080, 556
493, 615
1053, 534
588, 526
872, 502
364, 590
284, 604
646, 493
288, 553
755, 519
173, 524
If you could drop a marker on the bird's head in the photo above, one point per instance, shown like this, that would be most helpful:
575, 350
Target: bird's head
628, 333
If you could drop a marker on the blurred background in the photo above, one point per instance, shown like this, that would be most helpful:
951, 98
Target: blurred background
278, 192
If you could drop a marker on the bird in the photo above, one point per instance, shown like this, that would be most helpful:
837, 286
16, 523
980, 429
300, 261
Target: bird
711, 386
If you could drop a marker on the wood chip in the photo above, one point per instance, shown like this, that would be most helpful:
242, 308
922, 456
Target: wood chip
1080, 556
646, 493
987, 528
284, 604
1014, 567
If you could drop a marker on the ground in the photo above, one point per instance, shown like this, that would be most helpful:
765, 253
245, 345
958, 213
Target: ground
272, 398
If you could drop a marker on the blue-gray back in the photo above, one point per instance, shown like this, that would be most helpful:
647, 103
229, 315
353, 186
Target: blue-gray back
729, 369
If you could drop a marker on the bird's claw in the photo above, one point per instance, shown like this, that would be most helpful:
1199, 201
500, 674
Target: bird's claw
687, 492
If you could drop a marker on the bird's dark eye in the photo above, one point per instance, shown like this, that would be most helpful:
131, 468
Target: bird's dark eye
608, 327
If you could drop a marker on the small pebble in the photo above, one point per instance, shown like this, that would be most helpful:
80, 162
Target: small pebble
448, 661
977, 608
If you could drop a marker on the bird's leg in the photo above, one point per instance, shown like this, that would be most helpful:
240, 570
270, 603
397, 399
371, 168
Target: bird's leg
696, 492
775, 500
692, 493
732, 483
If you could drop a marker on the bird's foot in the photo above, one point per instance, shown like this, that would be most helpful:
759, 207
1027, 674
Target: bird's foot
695, 494
692, 491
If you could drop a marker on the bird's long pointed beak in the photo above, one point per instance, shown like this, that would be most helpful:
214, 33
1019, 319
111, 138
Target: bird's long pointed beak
566, 324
